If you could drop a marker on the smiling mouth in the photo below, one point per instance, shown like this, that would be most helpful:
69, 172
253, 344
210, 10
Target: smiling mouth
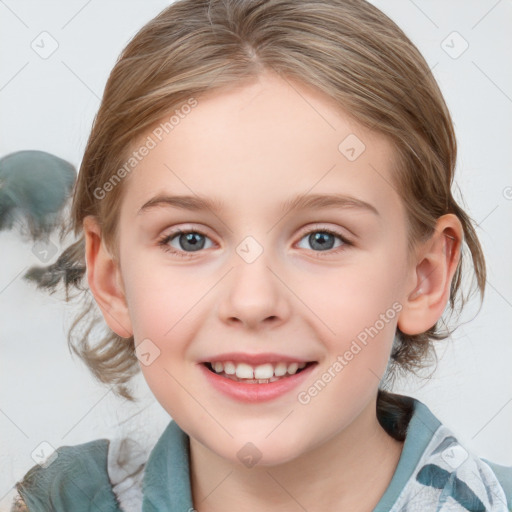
257, 381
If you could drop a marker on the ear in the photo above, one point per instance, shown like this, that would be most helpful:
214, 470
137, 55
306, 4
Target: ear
105, 280
431, 276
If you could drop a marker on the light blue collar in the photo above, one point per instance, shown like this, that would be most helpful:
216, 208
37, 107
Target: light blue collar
166, 484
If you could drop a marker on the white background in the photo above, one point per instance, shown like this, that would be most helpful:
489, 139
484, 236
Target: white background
48, 104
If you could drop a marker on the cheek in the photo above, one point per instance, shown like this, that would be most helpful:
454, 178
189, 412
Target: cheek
164, 320
158, 300
355, 312
353, 297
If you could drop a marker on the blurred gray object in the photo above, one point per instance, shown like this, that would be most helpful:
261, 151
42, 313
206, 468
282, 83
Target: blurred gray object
34, 185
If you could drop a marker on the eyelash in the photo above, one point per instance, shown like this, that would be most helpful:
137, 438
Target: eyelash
164, 242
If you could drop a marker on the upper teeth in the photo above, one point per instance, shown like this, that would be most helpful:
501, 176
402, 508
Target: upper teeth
263, 371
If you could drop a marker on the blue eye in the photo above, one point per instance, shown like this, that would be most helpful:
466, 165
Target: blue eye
189, 242
193, 240
322, 240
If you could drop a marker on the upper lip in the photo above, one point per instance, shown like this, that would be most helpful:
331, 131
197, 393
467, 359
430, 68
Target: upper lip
255, 359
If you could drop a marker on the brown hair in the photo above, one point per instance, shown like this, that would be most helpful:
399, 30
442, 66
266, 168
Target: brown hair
350, 51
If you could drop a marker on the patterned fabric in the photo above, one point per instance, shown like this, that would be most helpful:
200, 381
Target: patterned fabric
449, 479
125, 465
435, 473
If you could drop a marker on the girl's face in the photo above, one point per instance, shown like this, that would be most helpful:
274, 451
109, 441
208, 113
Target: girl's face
257, 275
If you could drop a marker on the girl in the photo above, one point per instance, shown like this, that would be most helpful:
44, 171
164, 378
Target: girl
265, 220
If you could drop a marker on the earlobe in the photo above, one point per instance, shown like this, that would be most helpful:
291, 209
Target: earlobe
432, 276
104, 278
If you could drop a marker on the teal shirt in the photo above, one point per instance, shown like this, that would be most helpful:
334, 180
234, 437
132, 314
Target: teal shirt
435, 473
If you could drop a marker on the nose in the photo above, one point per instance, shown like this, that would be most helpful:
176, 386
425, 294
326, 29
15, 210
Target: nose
254, 296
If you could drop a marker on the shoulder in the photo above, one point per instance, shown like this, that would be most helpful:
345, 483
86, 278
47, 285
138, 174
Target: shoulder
439, 469
504, 476
69, 477
449, 469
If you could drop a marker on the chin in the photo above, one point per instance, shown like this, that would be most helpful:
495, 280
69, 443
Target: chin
265, 452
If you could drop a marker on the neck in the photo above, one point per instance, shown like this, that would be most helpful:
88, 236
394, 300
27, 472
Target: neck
341, 473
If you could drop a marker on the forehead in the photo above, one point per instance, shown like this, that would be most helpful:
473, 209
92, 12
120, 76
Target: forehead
263, 142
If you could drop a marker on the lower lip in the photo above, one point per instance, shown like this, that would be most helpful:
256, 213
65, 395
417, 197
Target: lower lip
256, 392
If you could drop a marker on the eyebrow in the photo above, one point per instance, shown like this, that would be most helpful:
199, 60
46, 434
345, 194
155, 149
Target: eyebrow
311, 201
